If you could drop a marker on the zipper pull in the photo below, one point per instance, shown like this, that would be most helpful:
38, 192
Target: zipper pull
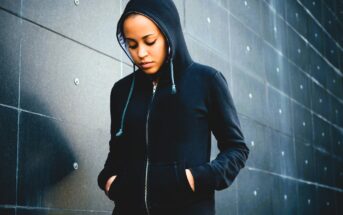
155, 86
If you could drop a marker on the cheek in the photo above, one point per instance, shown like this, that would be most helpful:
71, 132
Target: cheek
133, 55
160, 51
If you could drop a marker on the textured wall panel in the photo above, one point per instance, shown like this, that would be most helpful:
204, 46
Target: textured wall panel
307, 199
296, 49
9, 58
8, 160
285, 199
250, 96
257, 194
300, 86
305, 161
90, 23
255, 138
53, 157
273, 28
248, 12
302, 123
279, 111
277, 69
66, 78
283, 155
211, 18
246, 49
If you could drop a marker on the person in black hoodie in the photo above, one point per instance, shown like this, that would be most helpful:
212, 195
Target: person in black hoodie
162, 116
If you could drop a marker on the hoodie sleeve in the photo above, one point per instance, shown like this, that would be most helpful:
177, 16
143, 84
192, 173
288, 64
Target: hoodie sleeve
110, 163
220, 173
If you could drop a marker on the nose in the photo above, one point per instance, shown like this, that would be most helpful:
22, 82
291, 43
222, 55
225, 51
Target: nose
142, 52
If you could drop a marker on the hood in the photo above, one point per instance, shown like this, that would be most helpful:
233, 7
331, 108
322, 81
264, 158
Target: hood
165, 15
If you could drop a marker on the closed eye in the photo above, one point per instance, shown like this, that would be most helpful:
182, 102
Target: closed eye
149, 44
152, 43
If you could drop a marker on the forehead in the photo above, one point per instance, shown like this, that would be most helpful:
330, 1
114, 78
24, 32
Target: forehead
138, 26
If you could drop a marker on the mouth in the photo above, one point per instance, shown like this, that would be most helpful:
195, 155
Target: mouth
146, 65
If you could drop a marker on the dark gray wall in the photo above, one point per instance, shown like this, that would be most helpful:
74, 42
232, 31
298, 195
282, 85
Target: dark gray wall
283, 61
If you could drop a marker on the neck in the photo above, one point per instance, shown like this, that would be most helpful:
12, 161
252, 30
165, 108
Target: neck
154, 76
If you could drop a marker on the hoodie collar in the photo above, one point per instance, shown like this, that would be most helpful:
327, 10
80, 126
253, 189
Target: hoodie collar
165, 15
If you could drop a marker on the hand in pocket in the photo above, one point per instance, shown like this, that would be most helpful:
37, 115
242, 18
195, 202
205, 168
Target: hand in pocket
109, 183
190, 179
168, 186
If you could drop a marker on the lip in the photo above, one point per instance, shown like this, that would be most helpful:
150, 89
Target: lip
147, 65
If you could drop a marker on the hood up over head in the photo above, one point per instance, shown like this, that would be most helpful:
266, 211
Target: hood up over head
165, 15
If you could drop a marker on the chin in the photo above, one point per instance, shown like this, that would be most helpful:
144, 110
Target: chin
150, 71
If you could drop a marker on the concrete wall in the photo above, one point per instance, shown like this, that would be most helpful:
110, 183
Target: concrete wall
283, 61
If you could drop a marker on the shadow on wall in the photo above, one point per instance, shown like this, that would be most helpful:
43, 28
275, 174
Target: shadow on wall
45, 157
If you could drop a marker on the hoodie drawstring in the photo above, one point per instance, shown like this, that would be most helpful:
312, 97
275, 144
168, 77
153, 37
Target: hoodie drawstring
120, 132
173, 91
172, 76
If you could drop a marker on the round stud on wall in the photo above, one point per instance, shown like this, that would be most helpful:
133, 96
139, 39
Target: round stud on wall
76, 2
75, 165
280, 111
247, 48
76, 81
275, 29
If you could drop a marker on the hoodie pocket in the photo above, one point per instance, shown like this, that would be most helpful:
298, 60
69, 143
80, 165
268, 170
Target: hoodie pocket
168, 186
114, 191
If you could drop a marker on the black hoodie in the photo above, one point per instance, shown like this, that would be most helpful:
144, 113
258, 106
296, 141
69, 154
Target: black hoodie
157, 134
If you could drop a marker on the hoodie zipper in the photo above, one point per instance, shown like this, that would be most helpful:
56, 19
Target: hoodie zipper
147, 144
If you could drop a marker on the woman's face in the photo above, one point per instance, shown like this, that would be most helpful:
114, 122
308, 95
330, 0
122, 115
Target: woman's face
146, 43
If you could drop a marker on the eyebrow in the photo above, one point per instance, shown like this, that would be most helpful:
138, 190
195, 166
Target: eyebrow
142, 37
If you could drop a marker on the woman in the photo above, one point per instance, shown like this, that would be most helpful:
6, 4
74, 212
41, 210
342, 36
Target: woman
162, 116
